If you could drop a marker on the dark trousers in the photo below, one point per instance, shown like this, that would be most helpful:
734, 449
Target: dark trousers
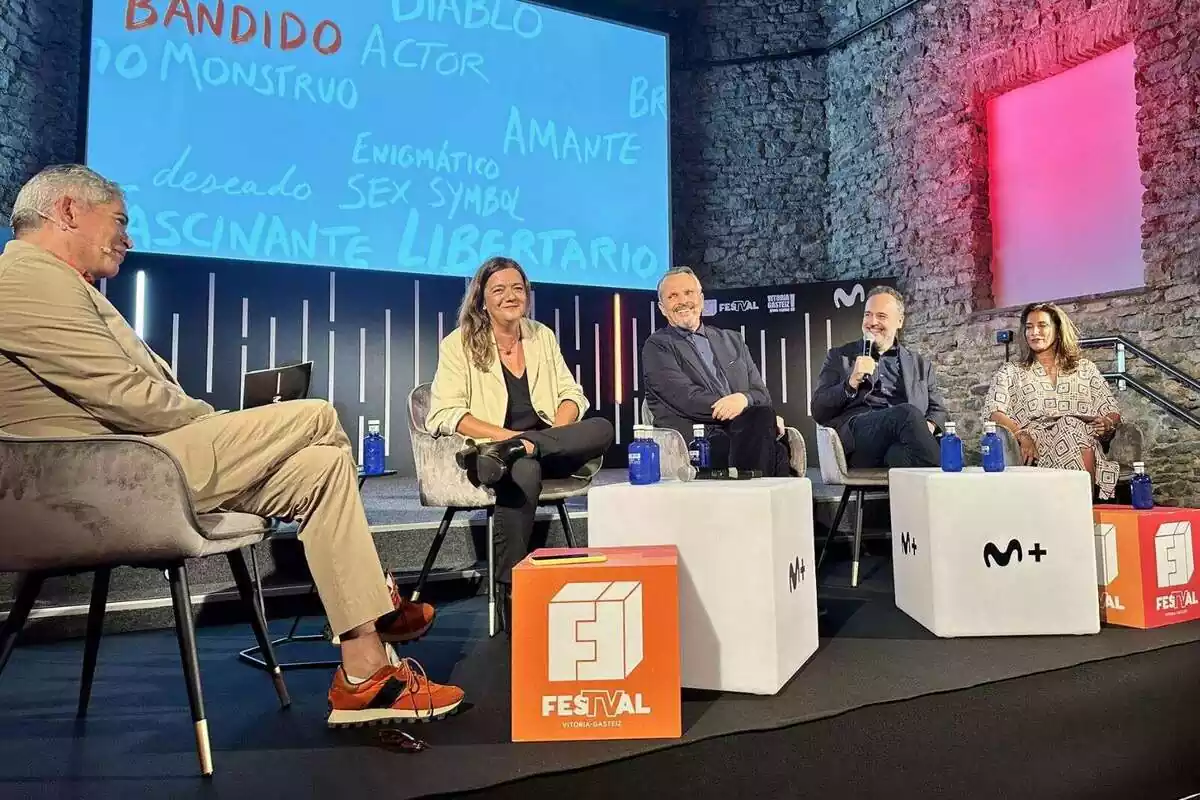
891, 437
560, 453
748, 441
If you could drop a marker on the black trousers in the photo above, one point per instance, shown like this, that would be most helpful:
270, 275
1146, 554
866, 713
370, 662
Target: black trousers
891, 437
748, 441
560, 452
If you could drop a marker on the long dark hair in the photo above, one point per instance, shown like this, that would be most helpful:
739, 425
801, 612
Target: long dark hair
473, 317
1066, 337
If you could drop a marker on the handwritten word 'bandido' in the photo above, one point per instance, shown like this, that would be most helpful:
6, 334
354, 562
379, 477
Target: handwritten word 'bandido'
291, 34
406, 156
525, 20
233, 186
568, 145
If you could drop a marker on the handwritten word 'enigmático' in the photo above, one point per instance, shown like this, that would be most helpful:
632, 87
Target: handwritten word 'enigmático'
291, 34
233, 186
526, 20
405, 156
618, 147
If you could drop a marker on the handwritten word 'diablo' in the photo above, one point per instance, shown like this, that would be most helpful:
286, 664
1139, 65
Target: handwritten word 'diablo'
544, 136
233, 186
290, 33
407, 156
270, 80
523, 19
267, 238
461, 250
422, 56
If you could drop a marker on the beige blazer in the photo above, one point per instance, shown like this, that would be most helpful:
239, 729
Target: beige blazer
460, 388
69, 362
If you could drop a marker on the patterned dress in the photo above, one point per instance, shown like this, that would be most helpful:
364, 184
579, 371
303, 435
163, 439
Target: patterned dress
1052, 414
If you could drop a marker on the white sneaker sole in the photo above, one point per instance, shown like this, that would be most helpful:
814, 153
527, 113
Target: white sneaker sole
384, 716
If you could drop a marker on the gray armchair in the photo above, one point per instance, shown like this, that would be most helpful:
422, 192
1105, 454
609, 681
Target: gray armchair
90, 504
835, 472
442, 483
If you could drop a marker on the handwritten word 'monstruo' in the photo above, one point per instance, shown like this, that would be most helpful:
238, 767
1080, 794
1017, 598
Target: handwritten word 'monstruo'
441, 160
291, 34
525, 21
559, 250
619, 147
447, 62
235, 187
268, 237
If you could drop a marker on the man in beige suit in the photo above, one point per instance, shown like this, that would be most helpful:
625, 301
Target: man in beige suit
71, 366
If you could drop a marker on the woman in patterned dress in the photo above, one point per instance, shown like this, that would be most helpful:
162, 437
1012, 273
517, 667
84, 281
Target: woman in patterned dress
1055, 402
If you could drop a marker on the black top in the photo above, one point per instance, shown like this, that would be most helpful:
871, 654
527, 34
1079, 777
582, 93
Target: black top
520, 415
887, 384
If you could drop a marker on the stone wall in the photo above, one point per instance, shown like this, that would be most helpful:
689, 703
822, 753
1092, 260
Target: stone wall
40, 46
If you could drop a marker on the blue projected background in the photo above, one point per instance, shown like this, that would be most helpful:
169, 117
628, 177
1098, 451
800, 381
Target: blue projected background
412, 135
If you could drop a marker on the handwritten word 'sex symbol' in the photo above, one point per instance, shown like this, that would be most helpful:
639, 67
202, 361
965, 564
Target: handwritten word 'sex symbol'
908, 544
796, 572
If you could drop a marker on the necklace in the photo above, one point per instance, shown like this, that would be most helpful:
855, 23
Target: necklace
508, 349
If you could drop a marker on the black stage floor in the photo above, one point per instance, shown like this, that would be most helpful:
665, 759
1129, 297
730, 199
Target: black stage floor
874, 695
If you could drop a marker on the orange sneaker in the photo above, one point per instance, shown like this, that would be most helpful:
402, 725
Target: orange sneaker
406, 623
401, 693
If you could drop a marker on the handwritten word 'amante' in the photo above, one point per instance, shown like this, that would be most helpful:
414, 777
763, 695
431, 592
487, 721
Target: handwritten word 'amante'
233, 186
567, 146
291, 34
406, 156
411, 54
560, 250
267, 238
525, 20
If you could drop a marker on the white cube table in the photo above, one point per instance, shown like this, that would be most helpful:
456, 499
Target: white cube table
995, 554
747, 583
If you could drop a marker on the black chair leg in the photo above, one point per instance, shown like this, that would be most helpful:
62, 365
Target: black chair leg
185, 629
250, 599
858, 529
568, 532
28, 587
837, 520
434, 548
95, 628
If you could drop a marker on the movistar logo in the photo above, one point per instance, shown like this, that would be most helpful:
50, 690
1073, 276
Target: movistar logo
992, 553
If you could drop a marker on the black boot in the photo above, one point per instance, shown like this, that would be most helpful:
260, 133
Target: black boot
491, 460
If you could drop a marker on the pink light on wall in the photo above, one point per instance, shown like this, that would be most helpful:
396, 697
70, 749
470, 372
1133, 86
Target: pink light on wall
1066, 192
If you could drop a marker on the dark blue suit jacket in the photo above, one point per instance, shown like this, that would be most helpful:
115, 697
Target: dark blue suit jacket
833, 403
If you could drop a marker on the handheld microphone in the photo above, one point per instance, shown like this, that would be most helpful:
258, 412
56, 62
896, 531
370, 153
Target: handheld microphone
867, 343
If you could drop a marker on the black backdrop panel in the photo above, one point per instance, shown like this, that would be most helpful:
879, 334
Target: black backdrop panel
373, 336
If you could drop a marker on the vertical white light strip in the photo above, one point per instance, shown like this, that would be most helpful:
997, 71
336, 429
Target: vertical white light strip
387, 381
597, 342
617, 423
242, 380
329, 394
633, 347
653, 318
783, 369
828, 334
578, 375
558, 327
271, 347
743, 330
104, 286
304, 331
532, 304
577, 322
139, 303
175, 345
416, 333
808, 360
362, 365
245, 317
361, 430
212, 312
332, 297
762, 353
441, 327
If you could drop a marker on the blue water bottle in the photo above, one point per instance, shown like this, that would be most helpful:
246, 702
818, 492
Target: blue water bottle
991, 447
1140, 487
699, 452
952, 449
373, 449
644, 466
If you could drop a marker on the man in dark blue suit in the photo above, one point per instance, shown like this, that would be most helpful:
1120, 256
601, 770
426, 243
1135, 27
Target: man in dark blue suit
879, 395
697, 374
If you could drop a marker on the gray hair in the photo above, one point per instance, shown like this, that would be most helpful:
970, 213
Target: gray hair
676, 271
890, 292
38, 196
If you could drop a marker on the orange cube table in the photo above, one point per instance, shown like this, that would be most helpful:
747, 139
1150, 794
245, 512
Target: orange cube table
1146, 565
595, 646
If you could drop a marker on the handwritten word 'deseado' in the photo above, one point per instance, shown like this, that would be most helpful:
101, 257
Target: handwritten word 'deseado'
233, 186
291, 33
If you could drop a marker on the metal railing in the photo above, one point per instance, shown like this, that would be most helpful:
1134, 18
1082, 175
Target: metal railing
1122, 348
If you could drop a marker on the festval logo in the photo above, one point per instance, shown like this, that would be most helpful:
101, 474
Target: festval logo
1173, 554
595, 631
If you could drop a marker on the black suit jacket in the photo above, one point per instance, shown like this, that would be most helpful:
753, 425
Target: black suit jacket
680, 392
833, 403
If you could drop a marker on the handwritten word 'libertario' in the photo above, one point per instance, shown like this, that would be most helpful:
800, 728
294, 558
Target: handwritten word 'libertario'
132, 63
233, 186
567, 145
524, 20
406, 156
291, 33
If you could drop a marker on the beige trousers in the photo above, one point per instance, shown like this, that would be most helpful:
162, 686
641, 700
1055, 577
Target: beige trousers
292, 461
